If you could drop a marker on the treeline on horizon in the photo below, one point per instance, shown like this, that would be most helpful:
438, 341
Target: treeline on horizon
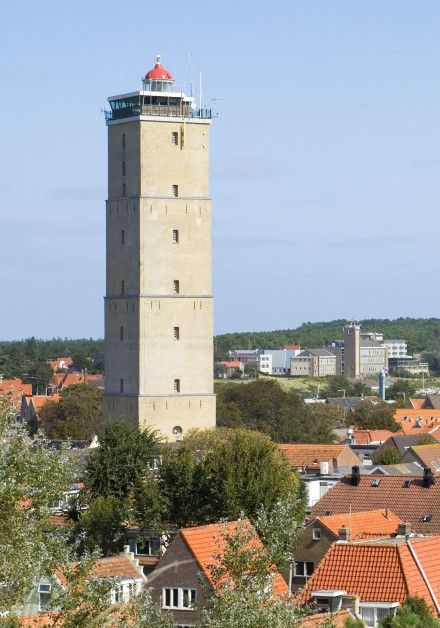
422, 334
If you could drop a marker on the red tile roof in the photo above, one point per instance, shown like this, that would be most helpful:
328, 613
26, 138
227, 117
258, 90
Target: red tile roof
318, 620
375, 572
365, 437
425, 417
410, 504
40, 400
364, 524
417, 403
207, 542
15, 386
232, 364
300, 454
60, 363
428, 455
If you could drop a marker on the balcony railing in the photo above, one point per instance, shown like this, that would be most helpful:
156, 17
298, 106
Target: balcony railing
166, 111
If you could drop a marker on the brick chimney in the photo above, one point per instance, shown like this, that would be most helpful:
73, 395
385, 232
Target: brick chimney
344, 534
404, 529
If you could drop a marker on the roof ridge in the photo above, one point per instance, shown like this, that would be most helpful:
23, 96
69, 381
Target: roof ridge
424, 576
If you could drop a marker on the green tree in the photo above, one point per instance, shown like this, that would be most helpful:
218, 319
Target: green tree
39, 375
339, 386
177, 481
387, 455
236, 374
401, 390
121, 461
241, 596
251, 370
77, 415
220, 370
31, 478
101, 526
241, 474
374, 415
414, 613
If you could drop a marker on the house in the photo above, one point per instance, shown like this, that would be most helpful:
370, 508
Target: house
313, 363
320, 533
427, 456
402, 442
61, 364
374, 578
129, 581
247, 356
320, 466
14, 390
180, 579
60, 381
232, 366
431, 401
31, 407
276, 361
417, 418
415, 499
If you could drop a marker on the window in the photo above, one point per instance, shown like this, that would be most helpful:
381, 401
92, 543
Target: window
179, 598
122, 287
175, 190
122, 237
303, 568
117, 594
123, 168
121, 333
177, 385
121, 385
316, 534
175, 236
123, 189
176, 286
123, 140
44, 590
176, 333
174, 138
372, 614
148, 547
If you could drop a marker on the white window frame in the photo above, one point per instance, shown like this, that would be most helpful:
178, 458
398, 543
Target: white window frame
181, 592
317, 534
375, 606
47, 591
304, 569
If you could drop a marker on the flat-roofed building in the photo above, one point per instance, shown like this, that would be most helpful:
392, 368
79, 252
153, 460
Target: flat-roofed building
313, 363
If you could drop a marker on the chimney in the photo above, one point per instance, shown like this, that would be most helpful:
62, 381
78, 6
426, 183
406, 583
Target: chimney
355, 475
404, 529
343, 534
428, 477
387, 516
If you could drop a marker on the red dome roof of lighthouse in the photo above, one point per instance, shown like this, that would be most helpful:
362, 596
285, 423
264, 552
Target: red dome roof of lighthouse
159, 72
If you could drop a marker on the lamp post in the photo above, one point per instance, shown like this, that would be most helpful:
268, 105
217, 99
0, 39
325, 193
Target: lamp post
290, 560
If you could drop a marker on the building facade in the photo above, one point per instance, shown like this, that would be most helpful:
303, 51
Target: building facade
313, 363
364, 355
158, 305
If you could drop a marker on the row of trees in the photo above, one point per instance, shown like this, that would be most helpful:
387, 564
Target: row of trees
422, 334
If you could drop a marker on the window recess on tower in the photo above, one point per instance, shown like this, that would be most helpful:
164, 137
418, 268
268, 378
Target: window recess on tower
174, 138
176, 286
175, 190
177, 385
176, 333
175, 236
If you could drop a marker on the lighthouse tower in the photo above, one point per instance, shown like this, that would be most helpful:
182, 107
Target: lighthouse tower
158, 304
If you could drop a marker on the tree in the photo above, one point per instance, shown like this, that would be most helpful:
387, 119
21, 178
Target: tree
433, 359
241, 474
240, 596
401, 390
251, 369
339, 385
77, 415
374, 415
414, 613
236, 374
123, 458
265, 406
31, 478
101, 526
387, 455
177, 485
39, 375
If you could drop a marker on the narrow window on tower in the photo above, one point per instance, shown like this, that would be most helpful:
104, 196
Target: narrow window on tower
174, 138
177, 385
175, 236
176, 333
123, 168
122, 236
175, 190
121, 333
176, 286
123, 189
122, 287
123, 140
121, 385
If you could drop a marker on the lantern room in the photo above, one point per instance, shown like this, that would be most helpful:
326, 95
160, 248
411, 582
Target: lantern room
158, 79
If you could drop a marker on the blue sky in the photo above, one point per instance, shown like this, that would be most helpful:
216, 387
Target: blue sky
325, 155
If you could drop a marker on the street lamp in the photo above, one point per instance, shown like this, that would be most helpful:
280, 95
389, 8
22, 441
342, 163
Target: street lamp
290, 560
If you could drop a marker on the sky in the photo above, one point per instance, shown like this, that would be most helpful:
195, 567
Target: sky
325, 155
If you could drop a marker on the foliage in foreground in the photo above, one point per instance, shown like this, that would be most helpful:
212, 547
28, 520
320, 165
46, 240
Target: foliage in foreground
413, 614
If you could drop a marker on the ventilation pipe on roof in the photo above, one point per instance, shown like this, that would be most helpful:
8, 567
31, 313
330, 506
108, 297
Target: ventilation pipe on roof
355, 475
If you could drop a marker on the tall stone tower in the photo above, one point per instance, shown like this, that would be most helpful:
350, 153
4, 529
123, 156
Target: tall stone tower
158, 304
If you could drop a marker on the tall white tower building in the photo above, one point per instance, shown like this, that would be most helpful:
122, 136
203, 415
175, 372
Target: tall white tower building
158, 304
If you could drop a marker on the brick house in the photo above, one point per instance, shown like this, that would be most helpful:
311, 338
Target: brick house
183, 576
373, 578
320, 533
